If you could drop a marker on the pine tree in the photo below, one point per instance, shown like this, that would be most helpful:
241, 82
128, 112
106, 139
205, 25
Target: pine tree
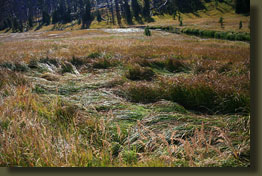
15, 25
118, 17
136, 9
55, 18
87, 17
30, 21
20, 26
146, 10
98, 16
128, 14
45, 18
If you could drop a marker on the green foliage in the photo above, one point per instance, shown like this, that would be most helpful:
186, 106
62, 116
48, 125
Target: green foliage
130, 156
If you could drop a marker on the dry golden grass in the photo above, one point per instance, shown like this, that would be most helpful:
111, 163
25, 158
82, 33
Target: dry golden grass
81, 43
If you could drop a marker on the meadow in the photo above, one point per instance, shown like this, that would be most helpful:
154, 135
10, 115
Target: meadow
118, 98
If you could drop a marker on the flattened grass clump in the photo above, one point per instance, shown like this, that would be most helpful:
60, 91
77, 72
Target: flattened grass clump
139, 73
50, 61
141, 92
65, 113
176, 65
102, 64
191, 94
50, 77
94, 55
209, 93
78, 61
11, 78
17, 66
202, 66
67, 67
105, 63
212, 93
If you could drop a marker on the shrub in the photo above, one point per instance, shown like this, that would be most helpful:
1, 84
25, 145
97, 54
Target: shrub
139, 73
147, 32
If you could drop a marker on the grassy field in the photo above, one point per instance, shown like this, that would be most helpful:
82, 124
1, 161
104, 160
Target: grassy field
115, 97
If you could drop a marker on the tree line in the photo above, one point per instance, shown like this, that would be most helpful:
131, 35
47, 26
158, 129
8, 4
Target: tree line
21, 15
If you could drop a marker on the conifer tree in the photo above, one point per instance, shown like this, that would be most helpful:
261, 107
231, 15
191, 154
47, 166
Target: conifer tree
136, 9
128, 14
45, 18
118, 17
87, 17
146, 10
98, 16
